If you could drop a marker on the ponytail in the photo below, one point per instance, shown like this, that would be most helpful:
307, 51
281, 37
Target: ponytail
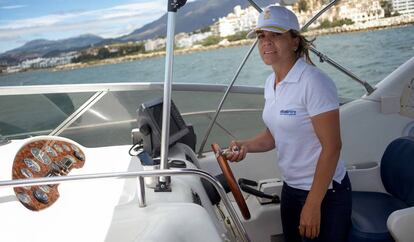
303, 47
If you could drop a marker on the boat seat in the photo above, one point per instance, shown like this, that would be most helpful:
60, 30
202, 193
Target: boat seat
370, 210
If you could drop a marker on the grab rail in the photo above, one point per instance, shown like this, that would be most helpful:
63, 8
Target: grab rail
200, 173
323, 58
213, 121
318, 14
121, 86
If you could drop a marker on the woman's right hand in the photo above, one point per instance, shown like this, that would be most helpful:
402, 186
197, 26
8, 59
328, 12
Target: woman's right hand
237, 151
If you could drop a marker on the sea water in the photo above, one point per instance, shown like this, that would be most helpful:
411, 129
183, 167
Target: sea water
370, 55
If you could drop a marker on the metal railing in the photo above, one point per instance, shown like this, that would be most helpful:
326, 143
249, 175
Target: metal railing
141, 193
213, 121
116, 87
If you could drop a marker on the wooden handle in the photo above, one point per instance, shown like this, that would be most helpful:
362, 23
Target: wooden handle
234, 187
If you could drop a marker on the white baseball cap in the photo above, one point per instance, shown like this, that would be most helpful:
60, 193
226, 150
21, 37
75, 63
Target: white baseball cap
277, 19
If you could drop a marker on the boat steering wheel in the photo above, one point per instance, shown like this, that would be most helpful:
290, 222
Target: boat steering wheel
228, 174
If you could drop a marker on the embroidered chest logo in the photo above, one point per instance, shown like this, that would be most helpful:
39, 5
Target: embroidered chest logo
287, 112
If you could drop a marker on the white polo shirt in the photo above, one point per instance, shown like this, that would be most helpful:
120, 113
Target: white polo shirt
305, 92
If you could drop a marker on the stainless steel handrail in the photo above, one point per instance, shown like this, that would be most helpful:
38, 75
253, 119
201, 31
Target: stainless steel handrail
116, 87
323, 58
166, 107
200, 173
213, 121
317, 15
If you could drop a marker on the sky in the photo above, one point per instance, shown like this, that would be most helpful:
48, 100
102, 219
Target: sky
25, 20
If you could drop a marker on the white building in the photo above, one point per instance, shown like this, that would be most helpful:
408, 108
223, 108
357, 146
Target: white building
183, 40
361, 11
238, 20
404, 7
47, 62
155, 44
355, 10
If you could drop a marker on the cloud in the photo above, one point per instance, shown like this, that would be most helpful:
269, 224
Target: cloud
107, 22
13, 7
36, 22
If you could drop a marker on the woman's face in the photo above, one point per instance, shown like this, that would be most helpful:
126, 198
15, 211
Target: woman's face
276, 48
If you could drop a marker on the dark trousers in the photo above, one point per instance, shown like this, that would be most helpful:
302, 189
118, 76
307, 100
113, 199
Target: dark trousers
335, 213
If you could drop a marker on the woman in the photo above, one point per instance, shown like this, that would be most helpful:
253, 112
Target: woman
302, 117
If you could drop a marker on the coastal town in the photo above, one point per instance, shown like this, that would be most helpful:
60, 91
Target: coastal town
231, 30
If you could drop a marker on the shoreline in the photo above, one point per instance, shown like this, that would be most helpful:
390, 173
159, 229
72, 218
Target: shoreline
142, 56
387, 23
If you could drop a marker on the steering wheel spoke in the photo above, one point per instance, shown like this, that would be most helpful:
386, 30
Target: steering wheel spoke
234, 187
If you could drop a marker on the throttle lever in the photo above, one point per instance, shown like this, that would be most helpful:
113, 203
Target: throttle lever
247, 182
245, 186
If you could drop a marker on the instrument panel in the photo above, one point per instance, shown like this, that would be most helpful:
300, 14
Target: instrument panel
44, 158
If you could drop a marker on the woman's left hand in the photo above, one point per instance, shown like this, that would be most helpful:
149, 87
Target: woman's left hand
310, 220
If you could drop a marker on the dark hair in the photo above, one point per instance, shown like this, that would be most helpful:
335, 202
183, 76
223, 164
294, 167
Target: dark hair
303, 47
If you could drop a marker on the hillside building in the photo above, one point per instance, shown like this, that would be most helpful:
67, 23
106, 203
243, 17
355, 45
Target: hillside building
238, 20
403, 7
155, 44
361, 11
184, 40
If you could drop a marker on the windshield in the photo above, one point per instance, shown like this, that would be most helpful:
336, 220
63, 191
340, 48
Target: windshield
96, 118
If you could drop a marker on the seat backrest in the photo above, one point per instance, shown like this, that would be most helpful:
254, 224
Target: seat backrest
397, 169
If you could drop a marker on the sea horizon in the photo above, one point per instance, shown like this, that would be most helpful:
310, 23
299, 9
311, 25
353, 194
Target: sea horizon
361, 52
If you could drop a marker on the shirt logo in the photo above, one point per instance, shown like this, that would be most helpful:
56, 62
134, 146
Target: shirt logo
288, 112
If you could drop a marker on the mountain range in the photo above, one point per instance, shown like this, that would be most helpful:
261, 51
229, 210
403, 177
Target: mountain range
193, 16
48, 48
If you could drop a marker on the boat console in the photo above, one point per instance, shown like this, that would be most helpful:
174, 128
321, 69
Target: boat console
44, 157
